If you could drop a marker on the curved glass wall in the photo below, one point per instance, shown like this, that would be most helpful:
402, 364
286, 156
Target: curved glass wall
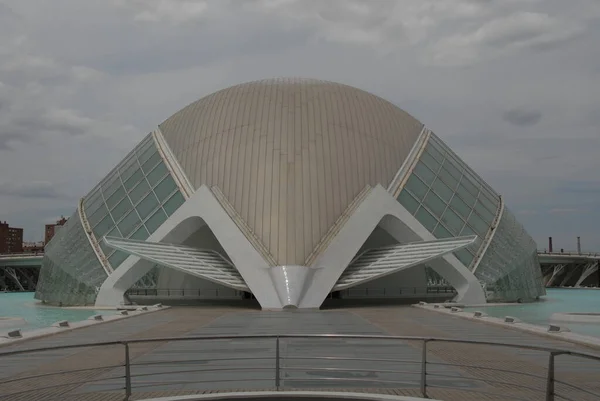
510, 267
448, 198
133, 200
71, 274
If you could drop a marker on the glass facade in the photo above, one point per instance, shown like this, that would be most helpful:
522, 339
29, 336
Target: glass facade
134, 200
71, 273
510, 267
449, 199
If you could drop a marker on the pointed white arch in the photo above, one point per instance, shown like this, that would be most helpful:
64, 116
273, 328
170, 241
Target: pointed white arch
379, 208
200, 209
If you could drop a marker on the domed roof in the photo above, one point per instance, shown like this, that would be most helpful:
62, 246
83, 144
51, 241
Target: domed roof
291, 154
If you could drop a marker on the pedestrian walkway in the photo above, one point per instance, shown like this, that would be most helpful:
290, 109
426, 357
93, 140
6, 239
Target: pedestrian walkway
167, 368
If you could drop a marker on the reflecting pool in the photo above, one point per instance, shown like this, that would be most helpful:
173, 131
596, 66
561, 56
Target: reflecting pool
22, 304
556, 300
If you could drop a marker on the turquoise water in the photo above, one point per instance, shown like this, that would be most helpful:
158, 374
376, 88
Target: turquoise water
22, 304
556, 300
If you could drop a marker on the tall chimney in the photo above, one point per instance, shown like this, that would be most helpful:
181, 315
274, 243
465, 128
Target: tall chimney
550, 244
579, 245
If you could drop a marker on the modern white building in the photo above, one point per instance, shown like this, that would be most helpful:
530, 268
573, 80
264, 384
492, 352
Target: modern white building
290, 190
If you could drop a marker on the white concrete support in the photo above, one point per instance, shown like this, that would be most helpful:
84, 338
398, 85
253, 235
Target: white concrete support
589, 269
568, 277
291, 283
555, 273
201, 209
380, 208
13, 274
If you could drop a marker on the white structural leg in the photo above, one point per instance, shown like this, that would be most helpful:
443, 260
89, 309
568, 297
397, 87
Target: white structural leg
276, 287
555, 273
200, 209
589, 269
380, 208
568, 276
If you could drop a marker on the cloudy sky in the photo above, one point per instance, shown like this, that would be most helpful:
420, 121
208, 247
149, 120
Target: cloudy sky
512, 85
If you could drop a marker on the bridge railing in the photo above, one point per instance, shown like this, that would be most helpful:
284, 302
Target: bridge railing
286, 362
20, 255
350, 292
569, 253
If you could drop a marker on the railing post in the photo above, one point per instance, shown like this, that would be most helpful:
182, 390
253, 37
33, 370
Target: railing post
127, 373
424, 370
550, 379
277, 363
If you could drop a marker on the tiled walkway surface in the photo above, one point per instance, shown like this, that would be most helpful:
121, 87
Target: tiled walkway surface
188, 367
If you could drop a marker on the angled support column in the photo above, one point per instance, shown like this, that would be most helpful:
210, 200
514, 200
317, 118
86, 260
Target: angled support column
589, 269
13, 275
555, 273
379, 208
202, 208
568, 276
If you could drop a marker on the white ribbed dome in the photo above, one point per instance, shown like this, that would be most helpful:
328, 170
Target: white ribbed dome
290, 154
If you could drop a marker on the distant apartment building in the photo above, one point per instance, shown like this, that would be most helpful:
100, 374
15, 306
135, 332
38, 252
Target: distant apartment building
33, 247
51, 229
11, 239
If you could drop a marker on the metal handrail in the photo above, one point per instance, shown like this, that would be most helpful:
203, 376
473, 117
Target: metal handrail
568, 253
550, 380
21, 255
191, 292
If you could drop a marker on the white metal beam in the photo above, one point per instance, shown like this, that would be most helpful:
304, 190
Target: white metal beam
375, 263
203, 263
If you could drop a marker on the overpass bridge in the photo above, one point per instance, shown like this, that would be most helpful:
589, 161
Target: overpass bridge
19, 272
570, 269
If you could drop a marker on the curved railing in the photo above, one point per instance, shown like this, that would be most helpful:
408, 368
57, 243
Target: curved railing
397, 364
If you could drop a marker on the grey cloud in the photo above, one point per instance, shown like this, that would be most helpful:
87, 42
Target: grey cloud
578, 187
522, 117
41, 190
504, 34
145, 47
24, 130
68, 123
7, 15
6, 138
152, 68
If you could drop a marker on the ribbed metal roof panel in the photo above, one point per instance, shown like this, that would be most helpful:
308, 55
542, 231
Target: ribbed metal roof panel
290, 154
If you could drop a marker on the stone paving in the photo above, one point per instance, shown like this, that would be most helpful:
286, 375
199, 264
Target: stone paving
195, 367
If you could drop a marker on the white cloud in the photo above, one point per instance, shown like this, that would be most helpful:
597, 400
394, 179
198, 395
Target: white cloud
166, 10
518, 31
